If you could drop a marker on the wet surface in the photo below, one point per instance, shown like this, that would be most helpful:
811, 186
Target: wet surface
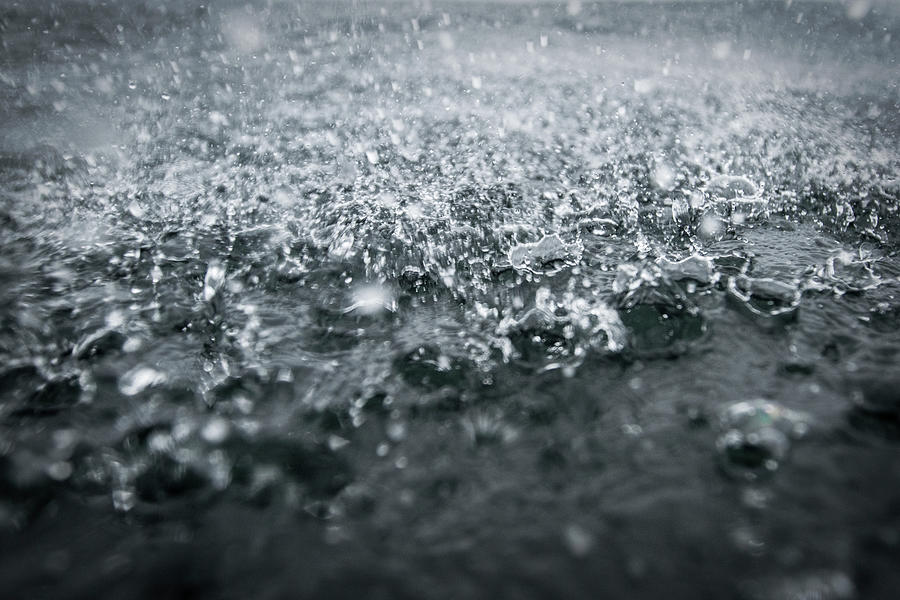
457, 300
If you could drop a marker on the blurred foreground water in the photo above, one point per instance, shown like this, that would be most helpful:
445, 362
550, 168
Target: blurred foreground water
449, 300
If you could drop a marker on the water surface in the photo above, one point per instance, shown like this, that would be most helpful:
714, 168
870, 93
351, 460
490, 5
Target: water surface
449, 300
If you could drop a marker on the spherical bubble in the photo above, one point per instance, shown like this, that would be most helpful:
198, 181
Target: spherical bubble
756, 437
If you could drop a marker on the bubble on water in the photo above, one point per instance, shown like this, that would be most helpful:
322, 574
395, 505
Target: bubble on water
756, 437
139, 379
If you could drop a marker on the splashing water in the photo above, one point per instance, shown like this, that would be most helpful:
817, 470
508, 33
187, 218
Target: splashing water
484, 286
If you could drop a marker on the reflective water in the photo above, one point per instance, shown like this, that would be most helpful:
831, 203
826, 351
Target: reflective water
449, 300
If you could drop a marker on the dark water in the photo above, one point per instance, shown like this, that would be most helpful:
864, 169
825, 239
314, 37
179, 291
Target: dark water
449, 300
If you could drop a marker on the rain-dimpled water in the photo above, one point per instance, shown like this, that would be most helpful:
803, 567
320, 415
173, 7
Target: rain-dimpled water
449, 299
